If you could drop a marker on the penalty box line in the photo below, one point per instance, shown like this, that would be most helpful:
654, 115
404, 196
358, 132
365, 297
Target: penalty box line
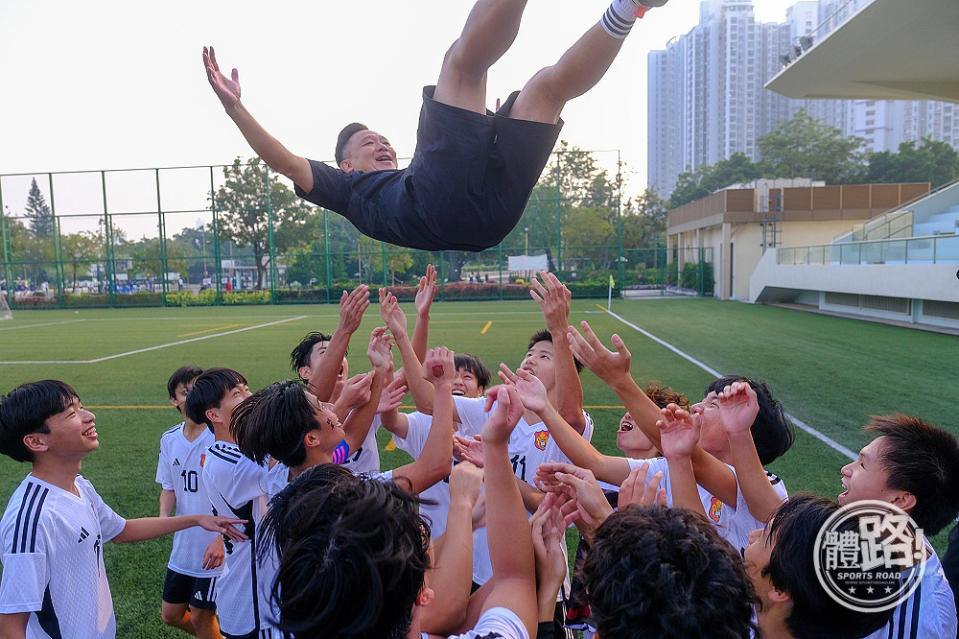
829, 441
160, 346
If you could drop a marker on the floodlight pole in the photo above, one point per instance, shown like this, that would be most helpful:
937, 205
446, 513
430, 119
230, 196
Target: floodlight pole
5, 245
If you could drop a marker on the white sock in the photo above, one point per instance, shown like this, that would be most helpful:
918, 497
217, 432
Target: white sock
619, 18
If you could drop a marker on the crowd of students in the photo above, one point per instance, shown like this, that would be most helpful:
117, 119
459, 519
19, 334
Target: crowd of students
286, 526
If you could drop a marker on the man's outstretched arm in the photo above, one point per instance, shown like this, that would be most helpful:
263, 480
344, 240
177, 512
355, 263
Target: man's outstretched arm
277, 156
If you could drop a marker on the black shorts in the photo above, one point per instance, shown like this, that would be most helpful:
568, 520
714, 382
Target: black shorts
270, 633
198, 592
473, 173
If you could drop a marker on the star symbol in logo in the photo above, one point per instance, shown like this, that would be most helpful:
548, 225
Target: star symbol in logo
852, 590
888, 590
870, 590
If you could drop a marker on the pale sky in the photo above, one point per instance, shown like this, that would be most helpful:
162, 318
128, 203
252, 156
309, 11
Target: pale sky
110, 84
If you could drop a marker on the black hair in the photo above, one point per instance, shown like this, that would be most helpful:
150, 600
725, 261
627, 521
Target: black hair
183, 375
26, 409
353, 554
772, 431
300, 355
473, 364
660, 572
923, 460
815, 614
545, 336
208, 391
345, 134
272, 422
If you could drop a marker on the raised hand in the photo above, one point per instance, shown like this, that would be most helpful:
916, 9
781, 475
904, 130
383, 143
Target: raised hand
505, 409
439, 366
469, 449
635, 490
391, 313
352, 307
466, 483
530, 388
226, 89
607, 365
425, 291
378, 351
679, 432
738, 407
554, 299
356, 391
547, 527
392, 395
592, 507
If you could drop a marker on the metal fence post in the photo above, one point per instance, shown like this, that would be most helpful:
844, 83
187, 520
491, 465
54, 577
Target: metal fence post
57, 247
108, 241
326, 249
218, 266
271, 248
6, 246
161, 227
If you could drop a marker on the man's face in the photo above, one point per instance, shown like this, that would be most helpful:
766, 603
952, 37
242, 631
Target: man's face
866, 478
756, 559
539, 362
631, 437
316, 356
368, 151
713, 438
179, 395
465, 384
231, 400
73, 432
328, 429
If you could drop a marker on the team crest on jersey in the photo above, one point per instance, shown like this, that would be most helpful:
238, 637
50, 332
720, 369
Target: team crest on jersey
542, 438
202, 459
715, 509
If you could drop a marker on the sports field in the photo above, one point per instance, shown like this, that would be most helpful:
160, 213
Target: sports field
830, 373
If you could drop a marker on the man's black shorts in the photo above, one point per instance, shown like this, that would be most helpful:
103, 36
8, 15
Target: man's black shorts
473, 173
199, 592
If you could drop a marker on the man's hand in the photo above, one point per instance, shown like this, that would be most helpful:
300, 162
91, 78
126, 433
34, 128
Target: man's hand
425, 291
635, 490
356, 391
352, 307
592, 507
439, 367
213, 555
548, 528
226, 89
679, 432
505, 410
554, 300
530, 388
222, 525
391, 313
469, 449
392, 396
378, 351
608, 366
738, 407
466, 483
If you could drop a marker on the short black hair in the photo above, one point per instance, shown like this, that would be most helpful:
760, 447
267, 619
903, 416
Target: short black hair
272, 423
545, 336
353, 554
815, 614
661, 572
772, 431
300, 355
208, 391
183, 375
923, 460
25, 410
473, 364
345, 134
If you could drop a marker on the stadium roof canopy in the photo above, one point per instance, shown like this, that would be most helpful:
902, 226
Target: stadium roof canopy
889, 50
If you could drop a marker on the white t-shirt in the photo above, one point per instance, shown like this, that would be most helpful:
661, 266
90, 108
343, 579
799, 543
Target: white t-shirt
180, 469
529, 446
496, 623
732, 524
53, 560
929, 612
366, 458
239, 487
418, 429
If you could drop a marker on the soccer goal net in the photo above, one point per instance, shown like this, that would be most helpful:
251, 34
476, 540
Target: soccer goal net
5, 312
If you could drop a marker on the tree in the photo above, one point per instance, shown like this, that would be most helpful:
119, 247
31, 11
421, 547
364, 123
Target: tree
246, 198
80, 247
930, 161
148, 259
39, 215
805, 147
690, 186
644, 221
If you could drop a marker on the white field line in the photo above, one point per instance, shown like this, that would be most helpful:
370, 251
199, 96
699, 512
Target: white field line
836, 446
15, 328
154, 348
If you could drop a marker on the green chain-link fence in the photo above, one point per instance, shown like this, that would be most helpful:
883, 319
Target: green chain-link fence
235, 234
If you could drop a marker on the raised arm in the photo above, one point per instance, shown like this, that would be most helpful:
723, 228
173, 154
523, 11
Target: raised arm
613, 368
277, 156
352, 306
434, 462
680, 434
738, 408
425, 291
554, 299
357, 425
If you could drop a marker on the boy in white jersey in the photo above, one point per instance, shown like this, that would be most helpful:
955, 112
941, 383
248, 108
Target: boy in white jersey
196, 559
54, 527
235, 484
